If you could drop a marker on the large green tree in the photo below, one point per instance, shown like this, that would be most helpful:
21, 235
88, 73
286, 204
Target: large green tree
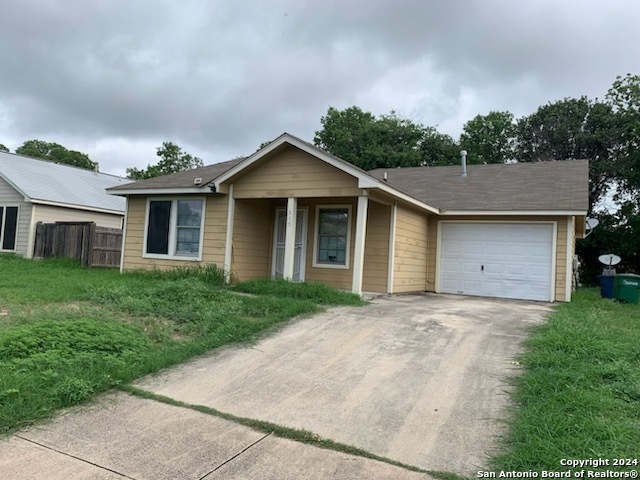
624, 99
439, 148
55, 152
172, 159
368, 141
573, 128
489, 138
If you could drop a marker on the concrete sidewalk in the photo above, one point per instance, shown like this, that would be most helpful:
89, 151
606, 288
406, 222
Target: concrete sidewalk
126, 437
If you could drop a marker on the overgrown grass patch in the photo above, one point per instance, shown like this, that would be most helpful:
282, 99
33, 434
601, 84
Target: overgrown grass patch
579, 394
316, 292
72, 332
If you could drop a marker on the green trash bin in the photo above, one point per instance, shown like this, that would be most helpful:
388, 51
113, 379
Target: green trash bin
627, 287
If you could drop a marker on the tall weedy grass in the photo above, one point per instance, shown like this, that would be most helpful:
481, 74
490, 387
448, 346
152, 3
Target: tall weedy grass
72, 332
579, 394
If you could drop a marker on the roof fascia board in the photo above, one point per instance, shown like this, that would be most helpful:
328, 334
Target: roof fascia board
513, 212
77, 207
156, 191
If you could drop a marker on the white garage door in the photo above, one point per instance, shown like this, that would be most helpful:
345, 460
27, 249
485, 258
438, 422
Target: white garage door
507, 260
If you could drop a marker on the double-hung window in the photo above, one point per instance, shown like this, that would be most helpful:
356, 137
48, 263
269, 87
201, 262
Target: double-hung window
174, 228
333, 228
8, 228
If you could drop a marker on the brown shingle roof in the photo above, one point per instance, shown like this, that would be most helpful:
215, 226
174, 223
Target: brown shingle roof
538, 186
182, 179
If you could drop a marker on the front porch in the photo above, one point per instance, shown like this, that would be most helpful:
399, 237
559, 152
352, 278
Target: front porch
341, 241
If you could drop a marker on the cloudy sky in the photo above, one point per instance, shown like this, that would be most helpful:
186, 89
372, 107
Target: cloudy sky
115, 78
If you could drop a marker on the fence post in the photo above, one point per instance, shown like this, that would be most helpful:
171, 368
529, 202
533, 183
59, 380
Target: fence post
88, 245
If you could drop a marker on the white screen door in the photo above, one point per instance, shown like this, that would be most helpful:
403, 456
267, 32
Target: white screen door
300, 244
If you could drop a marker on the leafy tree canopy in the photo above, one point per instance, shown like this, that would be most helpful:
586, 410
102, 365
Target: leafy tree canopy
368, 141
573, 128
439, 148
172, 159
55, 153
624, 99
489, 138
3, 148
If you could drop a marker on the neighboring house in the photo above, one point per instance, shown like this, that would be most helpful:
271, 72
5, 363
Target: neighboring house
34, 190
292, 210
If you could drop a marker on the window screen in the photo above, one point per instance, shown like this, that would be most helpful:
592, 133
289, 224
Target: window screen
189, 221
332, 235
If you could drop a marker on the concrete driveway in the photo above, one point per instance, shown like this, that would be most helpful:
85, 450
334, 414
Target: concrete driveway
419, 379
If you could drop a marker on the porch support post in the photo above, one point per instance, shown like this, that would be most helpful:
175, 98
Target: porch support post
358, 254
392, 247
228, 246
290, 238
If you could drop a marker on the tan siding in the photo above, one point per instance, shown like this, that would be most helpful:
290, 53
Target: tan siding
294, 173
10, 197
410, 263
215, 228
432, 243
561, 259
561, 243
376, 251
251, 239
51, 214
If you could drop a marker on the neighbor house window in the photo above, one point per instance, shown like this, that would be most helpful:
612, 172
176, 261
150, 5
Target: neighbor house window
8, 228
174, 228
332, 236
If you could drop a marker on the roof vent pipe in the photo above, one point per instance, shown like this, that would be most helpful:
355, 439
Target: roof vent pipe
385, 176
463, 158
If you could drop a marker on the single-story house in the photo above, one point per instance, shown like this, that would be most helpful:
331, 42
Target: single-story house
34, 190
294, 211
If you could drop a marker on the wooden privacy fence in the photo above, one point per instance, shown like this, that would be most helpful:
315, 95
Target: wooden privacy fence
94, 246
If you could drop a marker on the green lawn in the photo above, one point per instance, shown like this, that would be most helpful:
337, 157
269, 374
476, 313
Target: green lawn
67, 333
579, 394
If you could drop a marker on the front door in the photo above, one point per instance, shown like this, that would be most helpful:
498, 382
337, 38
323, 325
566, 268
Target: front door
279, 243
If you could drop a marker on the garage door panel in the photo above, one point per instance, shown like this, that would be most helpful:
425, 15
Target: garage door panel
471, 249
470, 284
493, 289
497, 260
451, 266
452, 248
493, 269
452, 285
518, 251
471, 267
494, 250
516, 271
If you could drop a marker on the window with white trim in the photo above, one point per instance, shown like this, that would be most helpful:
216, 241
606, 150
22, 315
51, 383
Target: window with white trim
174, 228
332, 236
8, 228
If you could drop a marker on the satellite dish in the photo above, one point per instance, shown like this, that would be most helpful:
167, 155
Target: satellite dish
609, 259
591, 223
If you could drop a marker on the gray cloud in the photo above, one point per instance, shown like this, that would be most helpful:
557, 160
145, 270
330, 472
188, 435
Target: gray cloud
117, 78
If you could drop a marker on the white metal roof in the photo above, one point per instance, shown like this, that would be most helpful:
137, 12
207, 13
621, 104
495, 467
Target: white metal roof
48, 182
